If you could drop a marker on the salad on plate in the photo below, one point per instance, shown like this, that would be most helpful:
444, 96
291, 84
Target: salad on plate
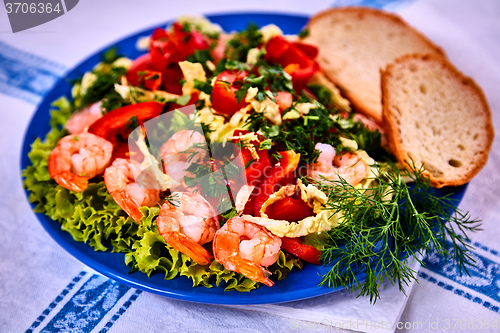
230, 159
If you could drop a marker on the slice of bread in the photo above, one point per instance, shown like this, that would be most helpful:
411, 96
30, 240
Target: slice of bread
436, 117
355, 43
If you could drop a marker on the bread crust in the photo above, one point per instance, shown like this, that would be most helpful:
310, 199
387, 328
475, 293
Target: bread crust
360, 13
481, 116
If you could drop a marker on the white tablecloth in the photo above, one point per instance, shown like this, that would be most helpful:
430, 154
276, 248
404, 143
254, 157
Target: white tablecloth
43, 288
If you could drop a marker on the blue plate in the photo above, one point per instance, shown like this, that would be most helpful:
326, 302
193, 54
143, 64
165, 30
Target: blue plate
298, 285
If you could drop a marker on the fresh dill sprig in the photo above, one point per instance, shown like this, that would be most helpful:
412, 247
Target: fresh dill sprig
386, 224
270, 78
173, 199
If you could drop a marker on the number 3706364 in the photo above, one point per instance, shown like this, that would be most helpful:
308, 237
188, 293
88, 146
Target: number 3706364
32, 8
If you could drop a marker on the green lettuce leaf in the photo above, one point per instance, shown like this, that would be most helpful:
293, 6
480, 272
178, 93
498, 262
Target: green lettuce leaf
93, 217
151, 254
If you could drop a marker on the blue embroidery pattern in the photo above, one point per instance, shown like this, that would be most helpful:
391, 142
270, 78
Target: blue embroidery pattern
485, 248
88, 306
56, 301
460, 292
121, 311
484, 276
26, 76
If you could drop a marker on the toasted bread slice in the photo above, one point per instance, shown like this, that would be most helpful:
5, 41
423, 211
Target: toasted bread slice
356, 43
437, 118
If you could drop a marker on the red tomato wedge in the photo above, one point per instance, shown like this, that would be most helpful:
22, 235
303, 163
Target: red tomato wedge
289, 209
284, 100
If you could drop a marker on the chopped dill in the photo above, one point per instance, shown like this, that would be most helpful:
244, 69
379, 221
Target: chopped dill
386, 224
103, 86
238, 46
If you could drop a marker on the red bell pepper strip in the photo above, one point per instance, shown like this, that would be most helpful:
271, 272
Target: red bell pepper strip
167, 48
124, 149
301, 75
309, 50
142, 63
300, 250
294, 60
248, 209
115, 122
187, 41
254, 169
151, 80
288, 163
223, 93
276, 47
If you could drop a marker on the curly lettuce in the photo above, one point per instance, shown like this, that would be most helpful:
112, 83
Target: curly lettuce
93, 217
151, 254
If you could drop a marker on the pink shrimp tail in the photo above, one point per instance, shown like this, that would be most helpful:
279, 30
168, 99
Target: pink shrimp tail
128, 205
184, 244
253, 271
71, 181
230, 259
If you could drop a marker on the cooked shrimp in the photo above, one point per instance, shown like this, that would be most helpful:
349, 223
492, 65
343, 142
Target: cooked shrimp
77, 158
246, 248
349, 166
186, 223
122, 181
218, 51
81, 121
179, 152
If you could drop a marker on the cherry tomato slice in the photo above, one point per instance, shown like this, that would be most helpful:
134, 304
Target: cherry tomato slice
152, 80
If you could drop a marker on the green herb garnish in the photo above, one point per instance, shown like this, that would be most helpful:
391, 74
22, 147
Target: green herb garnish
103, 87
387, 223
242, 42
303, 33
